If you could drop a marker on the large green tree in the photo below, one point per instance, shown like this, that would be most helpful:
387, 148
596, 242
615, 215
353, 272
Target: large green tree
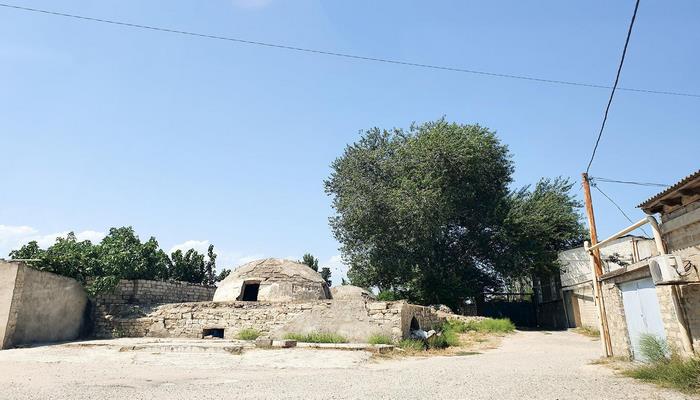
428, 214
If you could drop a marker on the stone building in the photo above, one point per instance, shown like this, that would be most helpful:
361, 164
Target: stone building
273, 280
636, 303
273, 296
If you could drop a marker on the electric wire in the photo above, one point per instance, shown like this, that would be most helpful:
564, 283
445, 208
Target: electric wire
607, 180
346, 55
618, 207
617, 79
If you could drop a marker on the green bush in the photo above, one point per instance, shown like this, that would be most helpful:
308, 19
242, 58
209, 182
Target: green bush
248, 334
316, 337
653, 348
412, 344
380, 339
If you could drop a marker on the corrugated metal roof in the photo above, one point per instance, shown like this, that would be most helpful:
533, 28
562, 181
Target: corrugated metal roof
676, 186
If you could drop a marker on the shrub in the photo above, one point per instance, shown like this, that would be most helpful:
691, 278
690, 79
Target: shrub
380, 339
412, 345
248, 334
316, 337
653, 348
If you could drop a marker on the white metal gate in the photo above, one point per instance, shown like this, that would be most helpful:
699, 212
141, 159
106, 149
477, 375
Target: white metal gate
642, 311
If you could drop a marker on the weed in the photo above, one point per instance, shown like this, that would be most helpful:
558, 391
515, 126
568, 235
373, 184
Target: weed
653, 348
248, 334
489, 325
380, 339
316, 337
677, 373
412, 345
587, 331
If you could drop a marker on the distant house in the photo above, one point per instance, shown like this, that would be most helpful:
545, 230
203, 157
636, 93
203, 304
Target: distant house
576, 275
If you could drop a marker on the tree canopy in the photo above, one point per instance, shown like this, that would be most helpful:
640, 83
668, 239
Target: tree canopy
312, 262
120, 255
428, 213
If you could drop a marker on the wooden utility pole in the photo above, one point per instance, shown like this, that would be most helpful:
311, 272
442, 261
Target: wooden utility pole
597, 267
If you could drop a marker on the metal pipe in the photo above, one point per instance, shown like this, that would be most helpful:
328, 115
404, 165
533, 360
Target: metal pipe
657, 235
621, 233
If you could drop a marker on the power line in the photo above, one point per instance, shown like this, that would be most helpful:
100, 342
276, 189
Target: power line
618, 207
347, 55
597, 179
612, 93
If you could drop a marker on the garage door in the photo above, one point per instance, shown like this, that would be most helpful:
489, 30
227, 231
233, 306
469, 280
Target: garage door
642, 311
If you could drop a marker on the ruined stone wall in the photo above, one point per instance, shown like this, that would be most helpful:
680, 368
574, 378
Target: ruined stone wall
353, 319
135, 297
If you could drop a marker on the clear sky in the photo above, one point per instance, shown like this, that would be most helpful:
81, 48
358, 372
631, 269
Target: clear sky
198, 140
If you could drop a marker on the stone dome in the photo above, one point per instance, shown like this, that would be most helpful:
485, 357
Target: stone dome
274, 280
350, 292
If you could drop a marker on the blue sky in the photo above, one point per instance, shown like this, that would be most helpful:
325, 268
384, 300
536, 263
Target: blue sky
201, 141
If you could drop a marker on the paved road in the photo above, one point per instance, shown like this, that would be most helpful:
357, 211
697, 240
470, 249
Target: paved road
528, 365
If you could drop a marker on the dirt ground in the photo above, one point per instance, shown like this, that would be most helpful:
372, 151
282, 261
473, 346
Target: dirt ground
526, 365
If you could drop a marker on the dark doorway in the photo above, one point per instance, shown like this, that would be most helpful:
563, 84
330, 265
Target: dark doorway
213, 332
250, 291
414, 324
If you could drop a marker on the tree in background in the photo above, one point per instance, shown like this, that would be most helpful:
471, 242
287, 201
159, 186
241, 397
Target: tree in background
120, 255
427, 214
312, 262
326, 275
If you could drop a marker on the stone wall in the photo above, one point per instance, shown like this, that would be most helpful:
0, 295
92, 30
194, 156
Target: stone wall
138, 296
691, 301
43, 307
615, 310
354, 319
585, 300
681, 232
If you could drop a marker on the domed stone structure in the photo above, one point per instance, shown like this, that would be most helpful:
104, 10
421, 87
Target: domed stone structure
350, 292
273, 280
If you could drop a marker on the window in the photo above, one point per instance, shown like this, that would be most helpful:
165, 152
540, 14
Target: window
217, 333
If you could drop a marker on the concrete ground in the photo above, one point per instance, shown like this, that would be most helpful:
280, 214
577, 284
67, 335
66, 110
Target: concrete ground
528, 365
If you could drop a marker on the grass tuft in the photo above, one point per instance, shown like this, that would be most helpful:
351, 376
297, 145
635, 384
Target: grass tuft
587, 331
248, 334
653, 348
676, 373
489, 325
316, 337
380, 339
412, 345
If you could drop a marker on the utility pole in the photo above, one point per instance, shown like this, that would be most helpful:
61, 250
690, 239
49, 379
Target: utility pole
597, 267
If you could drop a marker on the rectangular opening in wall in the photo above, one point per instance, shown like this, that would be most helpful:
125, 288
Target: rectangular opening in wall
250, 291
213, 333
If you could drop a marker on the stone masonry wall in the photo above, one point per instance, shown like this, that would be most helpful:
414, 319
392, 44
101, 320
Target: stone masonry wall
135, 297
681, 232
354, 319
617, 325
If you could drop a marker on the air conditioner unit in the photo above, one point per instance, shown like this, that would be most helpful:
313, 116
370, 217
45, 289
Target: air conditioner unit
666, 269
